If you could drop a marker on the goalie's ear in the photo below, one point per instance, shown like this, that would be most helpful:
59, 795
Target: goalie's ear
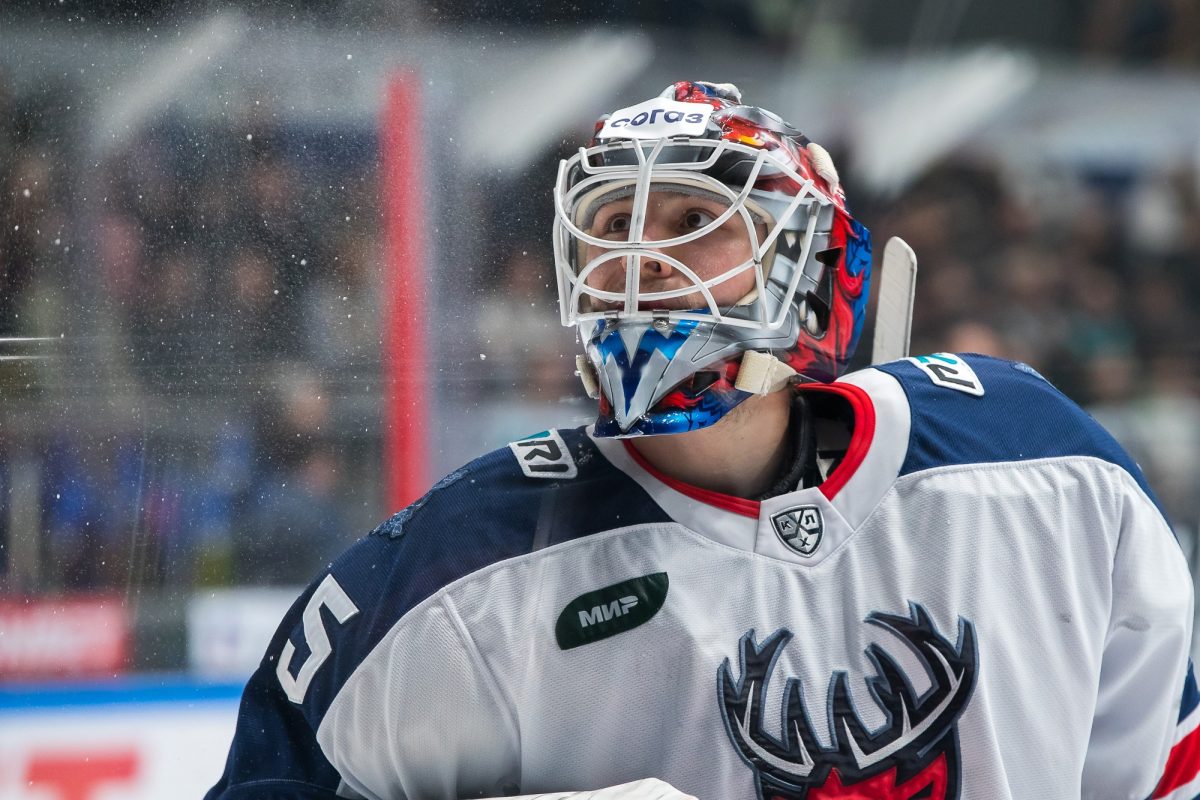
897, 291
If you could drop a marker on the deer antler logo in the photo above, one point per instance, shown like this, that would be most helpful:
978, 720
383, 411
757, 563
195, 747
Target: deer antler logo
914, 754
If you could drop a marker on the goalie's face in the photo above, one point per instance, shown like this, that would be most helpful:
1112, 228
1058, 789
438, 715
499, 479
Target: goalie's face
692, 230
684, 251
669, 216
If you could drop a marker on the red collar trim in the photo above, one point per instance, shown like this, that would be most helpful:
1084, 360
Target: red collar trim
860, 440
738, 505
860, 443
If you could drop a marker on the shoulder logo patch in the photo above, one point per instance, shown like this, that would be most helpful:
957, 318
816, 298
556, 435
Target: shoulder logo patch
614, 609
949, 371
544, 455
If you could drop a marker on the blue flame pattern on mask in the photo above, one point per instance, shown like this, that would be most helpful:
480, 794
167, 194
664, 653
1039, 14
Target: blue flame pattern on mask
699, 412
709, 409
610, 345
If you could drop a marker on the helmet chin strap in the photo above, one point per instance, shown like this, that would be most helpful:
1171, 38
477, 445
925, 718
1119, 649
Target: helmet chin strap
762, 373
587, 376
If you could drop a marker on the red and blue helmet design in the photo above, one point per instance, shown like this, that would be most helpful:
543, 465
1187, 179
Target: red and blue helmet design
659, 368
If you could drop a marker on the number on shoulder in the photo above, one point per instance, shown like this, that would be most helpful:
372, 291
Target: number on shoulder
331, 595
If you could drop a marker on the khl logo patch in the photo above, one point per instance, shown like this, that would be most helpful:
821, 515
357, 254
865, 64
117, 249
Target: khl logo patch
800, 528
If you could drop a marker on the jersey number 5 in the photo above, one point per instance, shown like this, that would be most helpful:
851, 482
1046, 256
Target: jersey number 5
331, 595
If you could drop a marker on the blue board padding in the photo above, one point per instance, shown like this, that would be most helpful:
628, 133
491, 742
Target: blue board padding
133, 690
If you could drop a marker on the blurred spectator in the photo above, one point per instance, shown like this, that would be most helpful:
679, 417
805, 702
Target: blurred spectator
74, 509
294, 519
1029, 305
31, 236
1097, 328
296, 417
296, 524
1155, 413
222, 491
341, 307
528, 353
971, 336
250, 328
1162, 311
1165, 31
168, 324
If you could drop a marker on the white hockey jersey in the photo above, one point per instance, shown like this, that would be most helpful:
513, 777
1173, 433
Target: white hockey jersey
981, 601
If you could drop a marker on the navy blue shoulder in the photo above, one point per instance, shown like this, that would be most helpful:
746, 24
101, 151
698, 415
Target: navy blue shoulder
549, 488
509, 501
1019, 415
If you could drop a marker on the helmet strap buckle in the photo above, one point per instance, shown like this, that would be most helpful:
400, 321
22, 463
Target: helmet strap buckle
762, 373
587, 376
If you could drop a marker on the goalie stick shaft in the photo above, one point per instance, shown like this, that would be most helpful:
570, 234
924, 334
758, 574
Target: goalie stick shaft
893, 316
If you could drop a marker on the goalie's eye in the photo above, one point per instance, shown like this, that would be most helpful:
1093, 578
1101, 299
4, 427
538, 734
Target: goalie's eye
616, 224
697, 218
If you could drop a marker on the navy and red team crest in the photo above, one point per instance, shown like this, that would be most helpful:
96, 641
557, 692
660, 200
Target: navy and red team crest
800, 528
913, 754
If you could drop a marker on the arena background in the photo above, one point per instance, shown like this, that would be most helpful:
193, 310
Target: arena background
269, 269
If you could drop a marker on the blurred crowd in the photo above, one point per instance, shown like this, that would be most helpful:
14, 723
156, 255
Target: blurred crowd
1092, 278
226, 278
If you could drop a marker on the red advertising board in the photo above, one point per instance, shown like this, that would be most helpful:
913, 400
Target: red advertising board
78, 775
59, 637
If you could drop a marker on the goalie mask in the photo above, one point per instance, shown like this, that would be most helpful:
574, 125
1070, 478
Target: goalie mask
705, 253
